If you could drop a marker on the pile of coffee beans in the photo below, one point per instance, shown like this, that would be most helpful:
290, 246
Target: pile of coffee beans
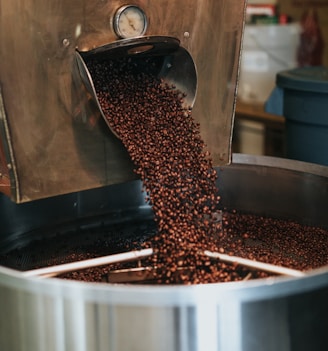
281, 242
169, 154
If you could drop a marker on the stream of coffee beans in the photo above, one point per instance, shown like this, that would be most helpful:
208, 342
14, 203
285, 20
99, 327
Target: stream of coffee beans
169, 154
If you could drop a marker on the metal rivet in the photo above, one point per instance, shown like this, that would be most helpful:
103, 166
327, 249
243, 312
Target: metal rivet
66, 42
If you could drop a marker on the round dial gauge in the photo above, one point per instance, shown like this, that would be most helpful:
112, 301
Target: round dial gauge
130, 21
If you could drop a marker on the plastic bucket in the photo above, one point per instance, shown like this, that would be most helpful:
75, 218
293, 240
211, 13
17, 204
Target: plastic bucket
267, 49
301, 97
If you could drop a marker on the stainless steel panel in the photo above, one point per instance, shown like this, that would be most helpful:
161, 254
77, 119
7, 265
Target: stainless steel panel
47, 151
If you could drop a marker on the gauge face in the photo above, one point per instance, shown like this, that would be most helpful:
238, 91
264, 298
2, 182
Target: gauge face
130, 21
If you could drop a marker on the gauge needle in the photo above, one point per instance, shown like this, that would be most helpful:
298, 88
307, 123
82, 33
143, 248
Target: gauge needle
130, 22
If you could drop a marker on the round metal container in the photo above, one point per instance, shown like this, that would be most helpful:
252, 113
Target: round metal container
270, 314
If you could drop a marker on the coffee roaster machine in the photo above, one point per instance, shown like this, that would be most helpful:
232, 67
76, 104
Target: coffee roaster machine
63, 172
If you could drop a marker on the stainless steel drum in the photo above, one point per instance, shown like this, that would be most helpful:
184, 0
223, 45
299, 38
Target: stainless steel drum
284, 314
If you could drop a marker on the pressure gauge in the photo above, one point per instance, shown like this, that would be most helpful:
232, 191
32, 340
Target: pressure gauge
130, 21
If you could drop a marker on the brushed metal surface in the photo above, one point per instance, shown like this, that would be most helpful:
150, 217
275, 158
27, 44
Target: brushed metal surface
43, 95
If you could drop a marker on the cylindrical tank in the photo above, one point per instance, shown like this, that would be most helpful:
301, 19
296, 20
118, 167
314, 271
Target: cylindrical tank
266, 314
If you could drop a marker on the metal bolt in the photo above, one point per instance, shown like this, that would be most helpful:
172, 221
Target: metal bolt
66, 42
